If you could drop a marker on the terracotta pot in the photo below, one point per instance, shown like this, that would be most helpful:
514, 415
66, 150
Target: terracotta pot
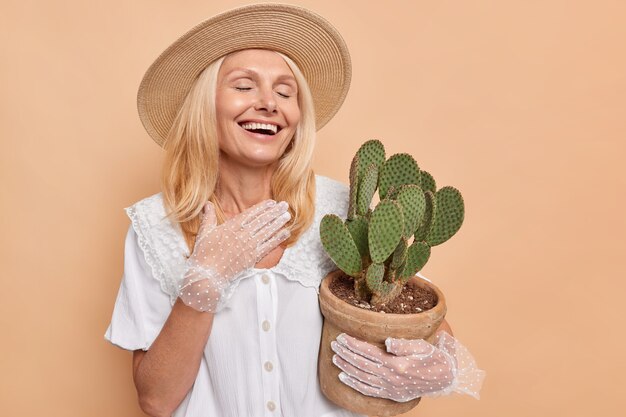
373, 327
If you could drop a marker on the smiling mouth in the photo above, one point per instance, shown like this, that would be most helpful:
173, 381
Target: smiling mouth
261, 128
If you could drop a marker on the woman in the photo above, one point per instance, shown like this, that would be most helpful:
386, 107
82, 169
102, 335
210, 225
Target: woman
219, 295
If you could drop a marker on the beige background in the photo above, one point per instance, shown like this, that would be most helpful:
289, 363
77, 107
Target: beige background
519, 104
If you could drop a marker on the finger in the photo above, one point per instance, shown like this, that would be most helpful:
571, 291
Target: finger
372, 352
353, 371
266, 217
361, 387
447, 349
209, 214
355, 359
404, 347
445, 342
272, 243
442, 333
275, 224
251, 213
208, 220
399, 396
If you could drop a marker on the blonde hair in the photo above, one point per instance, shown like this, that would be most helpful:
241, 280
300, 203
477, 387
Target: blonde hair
191, 165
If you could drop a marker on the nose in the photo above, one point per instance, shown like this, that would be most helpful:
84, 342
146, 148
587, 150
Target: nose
265, 101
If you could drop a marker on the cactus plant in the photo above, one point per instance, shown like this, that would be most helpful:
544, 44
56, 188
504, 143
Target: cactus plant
383, 247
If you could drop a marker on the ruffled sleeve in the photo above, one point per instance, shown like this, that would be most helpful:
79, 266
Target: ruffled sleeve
141, 307
161, 242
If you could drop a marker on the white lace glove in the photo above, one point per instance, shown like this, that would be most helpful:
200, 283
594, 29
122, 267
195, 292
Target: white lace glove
222, 252
409, 369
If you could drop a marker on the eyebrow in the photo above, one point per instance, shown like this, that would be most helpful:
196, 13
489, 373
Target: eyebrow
254, 73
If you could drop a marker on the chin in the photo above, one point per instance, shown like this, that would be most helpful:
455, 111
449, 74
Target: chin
260, 160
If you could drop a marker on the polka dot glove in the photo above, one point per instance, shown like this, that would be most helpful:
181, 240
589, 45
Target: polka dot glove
222, 252
408, 369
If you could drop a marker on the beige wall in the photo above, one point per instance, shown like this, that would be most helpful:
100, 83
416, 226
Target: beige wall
519, 104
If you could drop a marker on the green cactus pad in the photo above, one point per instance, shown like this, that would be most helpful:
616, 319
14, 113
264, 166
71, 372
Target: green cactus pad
413, 203
398, 170
399, 254
358, 230
385, 230
354, 186
401, 267
338, 243
391, 193
417, 256
427, 182
367, 188
448, 218
427, 219
371, 152
374, 278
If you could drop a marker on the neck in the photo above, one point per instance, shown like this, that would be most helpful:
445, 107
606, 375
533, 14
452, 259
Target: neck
240, 187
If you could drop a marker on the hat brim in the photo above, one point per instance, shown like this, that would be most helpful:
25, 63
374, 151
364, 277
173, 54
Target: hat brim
307, 38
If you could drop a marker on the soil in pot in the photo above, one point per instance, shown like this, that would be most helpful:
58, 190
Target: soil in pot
412, 299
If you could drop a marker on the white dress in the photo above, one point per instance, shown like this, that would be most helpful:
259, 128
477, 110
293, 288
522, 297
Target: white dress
261, 356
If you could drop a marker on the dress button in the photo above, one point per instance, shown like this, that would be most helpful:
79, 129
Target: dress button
268, 366
266, 325
265, 279
271, 406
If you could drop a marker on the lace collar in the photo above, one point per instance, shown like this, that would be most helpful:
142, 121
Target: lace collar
165, 249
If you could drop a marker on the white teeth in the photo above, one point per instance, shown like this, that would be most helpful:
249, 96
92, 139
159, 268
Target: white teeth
266, 126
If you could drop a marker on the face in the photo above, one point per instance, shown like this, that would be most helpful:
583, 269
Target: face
257, 107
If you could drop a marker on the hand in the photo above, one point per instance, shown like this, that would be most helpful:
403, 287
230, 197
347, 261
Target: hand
221, 252
408, 369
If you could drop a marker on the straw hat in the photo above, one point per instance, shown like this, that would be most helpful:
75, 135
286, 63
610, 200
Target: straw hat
307, 38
